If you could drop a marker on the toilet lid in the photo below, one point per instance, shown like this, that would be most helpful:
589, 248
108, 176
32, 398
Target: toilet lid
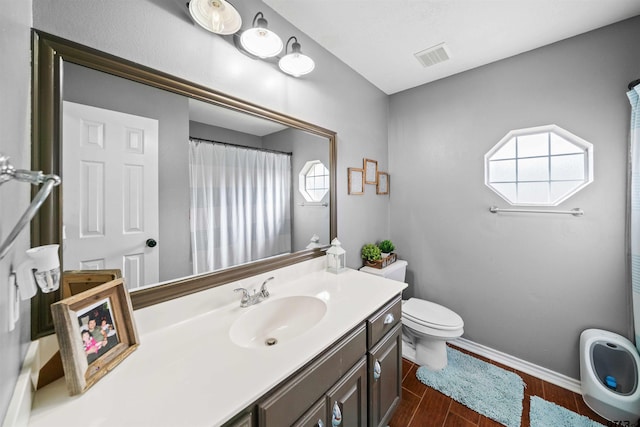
430, 314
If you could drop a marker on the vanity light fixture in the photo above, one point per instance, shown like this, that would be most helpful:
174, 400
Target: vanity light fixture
217, 16
295, 62
259, 40
220, 17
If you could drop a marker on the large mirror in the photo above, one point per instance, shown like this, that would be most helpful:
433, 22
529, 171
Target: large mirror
74, 84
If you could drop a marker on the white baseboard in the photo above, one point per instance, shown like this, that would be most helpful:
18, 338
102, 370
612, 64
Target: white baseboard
19, 409
521, 365
38, 354
513, 362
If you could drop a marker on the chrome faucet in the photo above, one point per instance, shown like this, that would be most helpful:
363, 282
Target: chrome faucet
263, 289
251, 299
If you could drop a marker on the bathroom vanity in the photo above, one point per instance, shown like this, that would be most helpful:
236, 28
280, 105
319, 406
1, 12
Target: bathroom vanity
197, 363
191, 369
334, 387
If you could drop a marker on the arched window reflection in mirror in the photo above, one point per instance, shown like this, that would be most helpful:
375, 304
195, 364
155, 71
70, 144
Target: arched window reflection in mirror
313, 181
540, 166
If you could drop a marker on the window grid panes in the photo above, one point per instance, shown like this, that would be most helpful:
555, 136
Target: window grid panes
314, 181
538, 168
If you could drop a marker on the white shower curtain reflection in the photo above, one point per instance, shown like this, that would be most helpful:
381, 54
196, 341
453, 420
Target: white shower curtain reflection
634, 98
240, 205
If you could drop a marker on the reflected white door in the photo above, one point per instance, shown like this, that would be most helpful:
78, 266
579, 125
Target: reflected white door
110, 192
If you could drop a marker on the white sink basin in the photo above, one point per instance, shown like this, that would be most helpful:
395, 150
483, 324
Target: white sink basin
275, 321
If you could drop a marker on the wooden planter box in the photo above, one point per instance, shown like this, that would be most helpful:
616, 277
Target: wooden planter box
382, 263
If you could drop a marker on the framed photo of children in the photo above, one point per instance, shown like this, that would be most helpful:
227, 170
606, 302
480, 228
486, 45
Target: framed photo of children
383, 183
95, 332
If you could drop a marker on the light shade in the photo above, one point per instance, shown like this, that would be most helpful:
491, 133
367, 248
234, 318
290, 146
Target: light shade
217, 16
296, 63
259, 40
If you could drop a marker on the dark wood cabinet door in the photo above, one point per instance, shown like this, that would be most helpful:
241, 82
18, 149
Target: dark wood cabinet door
315, 417
385, 377
347, 400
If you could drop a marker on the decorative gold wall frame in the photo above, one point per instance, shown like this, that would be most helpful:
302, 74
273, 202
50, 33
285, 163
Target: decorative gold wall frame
355, 181
382, 187
371, 171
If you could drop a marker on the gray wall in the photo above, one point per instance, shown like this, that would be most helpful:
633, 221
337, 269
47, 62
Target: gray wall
15, 69
161, 35
90, 87
524, 284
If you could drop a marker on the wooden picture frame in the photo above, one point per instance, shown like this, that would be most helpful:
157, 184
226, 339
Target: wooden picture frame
76, 281
371, 171
356, 181
382, 187
102, 313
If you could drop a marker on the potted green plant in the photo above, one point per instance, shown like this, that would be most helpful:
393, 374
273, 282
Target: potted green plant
370, 253
386, 247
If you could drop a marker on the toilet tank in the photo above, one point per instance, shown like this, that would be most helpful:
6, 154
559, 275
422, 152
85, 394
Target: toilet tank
395, 271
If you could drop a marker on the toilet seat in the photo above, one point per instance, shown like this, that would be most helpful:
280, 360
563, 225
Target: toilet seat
431, 315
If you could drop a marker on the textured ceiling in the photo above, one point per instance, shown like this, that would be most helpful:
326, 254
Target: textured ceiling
378, 39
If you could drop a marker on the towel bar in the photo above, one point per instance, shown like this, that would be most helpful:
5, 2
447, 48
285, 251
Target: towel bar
7, 173
574, 212
319, 205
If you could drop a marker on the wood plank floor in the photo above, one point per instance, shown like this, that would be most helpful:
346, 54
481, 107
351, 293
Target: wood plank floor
423, 406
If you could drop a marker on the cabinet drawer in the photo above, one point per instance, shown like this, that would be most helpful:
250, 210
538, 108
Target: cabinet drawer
291, 400
380, 323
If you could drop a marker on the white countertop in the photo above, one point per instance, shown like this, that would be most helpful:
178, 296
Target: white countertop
188, 372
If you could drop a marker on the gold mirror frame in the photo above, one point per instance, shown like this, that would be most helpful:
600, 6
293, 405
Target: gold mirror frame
49, 55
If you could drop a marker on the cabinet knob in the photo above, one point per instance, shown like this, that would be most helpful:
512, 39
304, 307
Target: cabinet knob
377, 370
151, 243
336, 418
389, 319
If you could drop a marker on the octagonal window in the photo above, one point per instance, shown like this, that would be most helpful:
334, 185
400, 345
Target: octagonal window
313, 181
540, 166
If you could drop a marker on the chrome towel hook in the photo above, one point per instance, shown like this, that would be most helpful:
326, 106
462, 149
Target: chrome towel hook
7, 173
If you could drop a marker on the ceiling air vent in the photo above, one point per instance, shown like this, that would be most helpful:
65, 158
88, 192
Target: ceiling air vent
433, 55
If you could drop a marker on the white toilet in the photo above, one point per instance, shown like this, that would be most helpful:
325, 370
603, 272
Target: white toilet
427, 326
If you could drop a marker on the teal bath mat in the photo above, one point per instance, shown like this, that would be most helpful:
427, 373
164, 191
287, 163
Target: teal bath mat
480, 386
545, 414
